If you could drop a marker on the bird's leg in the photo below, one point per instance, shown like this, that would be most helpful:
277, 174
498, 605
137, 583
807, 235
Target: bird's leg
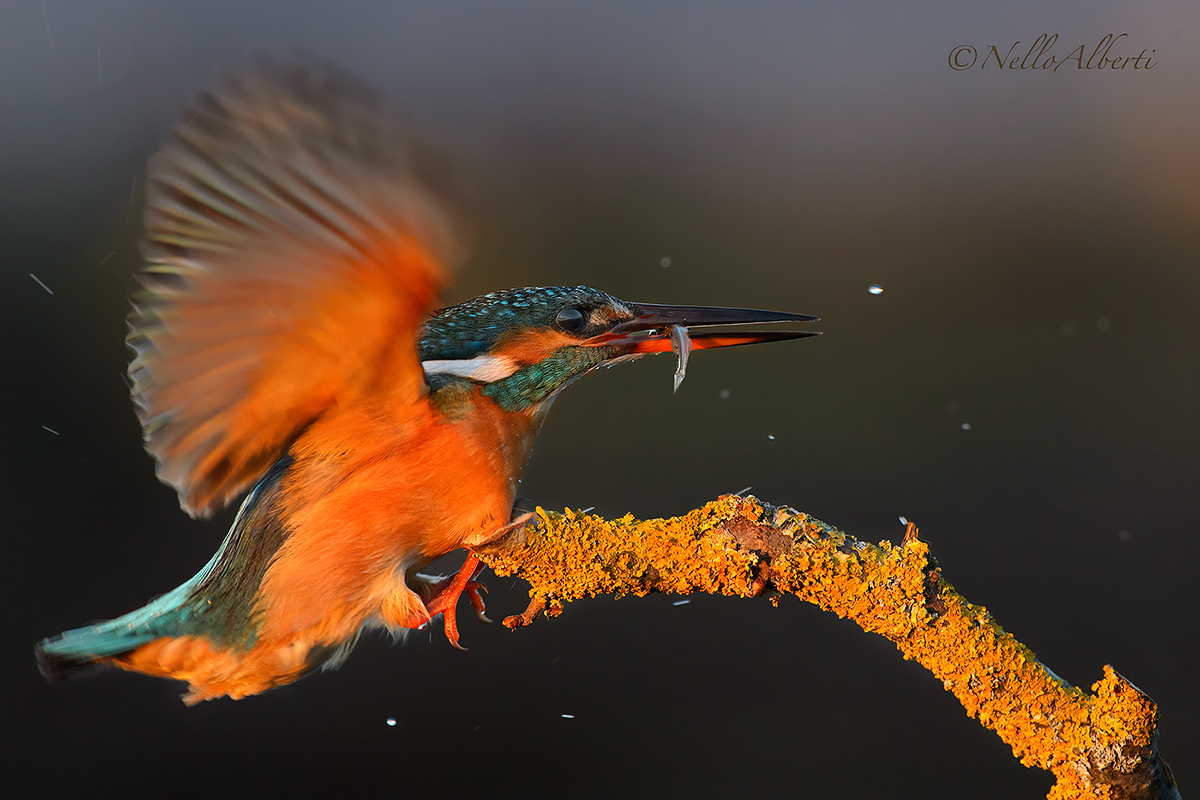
444, 592
519, 521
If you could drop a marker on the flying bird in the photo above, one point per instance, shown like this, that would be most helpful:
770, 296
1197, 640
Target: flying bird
288, 347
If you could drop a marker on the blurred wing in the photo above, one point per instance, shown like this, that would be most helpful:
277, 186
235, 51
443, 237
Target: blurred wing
296, 236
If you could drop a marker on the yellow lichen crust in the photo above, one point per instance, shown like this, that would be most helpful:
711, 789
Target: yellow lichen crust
1100, 745
574, 555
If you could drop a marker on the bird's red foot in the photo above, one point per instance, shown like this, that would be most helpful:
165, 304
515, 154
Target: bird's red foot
444, 594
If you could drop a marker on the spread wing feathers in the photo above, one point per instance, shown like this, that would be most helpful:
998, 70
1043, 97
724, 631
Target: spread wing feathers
297, 235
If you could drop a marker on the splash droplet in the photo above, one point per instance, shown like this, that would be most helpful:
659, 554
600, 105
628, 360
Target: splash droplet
664, 262
391, 722
724, 395
39, 283
875, 288
771, 436
903, 521
966, 426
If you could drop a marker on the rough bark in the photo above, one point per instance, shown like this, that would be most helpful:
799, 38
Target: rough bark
1098, 745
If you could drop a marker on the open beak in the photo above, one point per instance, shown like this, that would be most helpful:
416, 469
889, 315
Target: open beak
651, 330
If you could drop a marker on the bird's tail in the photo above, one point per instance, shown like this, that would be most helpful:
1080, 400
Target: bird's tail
76, 651
203, 632
186, 612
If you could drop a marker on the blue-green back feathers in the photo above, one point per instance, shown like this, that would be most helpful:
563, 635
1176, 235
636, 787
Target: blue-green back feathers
218, 603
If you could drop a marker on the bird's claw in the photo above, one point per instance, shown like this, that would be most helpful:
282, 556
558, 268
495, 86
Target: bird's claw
473, 589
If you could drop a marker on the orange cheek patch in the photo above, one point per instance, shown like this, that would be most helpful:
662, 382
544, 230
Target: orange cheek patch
530, 346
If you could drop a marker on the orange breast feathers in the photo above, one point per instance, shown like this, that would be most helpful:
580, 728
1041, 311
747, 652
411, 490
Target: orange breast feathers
375, 494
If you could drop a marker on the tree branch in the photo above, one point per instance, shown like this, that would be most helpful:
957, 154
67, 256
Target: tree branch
1101, 745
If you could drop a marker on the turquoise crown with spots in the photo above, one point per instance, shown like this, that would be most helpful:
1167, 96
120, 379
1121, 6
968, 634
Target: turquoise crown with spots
471, 329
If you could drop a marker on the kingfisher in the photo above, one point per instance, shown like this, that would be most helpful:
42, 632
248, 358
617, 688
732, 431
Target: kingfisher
288, 347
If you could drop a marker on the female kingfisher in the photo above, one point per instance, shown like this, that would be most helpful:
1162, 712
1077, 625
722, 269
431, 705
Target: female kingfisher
286, 344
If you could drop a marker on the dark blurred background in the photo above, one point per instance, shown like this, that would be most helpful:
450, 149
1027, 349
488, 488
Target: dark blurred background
1025, 387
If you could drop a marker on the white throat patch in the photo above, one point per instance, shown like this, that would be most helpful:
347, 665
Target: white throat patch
485, 369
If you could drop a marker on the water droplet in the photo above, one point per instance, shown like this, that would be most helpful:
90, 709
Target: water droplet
1068, 329
966, 426
771, 436
875, 288
391, 722
1124, 535
1103, 323
664, 262
724, 395
39, 283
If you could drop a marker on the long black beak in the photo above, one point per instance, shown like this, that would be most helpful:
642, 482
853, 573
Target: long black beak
654, 323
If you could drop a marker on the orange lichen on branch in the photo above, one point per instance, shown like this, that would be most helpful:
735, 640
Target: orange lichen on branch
1099, 745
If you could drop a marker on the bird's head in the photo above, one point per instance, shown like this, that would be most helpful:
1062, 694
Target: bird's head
524, 345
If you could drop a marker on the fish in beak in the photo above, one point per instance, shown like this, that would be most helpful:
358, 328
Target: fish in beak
662, 328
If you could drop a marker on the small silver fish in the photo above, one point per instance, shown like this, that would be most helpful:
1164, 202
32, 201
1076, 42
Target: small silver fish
681, 343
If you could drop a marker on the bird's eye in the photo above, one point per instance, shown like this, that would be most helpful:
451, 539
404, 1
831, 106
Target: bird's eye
571, 320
